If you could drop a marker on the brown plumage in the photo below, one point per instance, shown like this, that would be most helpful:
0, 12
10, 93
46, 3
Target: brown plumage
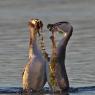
61, 78
34, 77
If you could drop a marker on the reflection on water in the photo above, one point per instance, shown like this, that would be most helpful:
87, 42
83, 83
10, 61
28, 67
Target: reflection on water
80, 57
61, 93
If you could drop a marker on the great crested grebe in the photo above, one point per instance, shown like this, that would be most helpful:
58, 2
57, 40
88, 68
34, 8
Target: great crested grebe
34, 76
57, 75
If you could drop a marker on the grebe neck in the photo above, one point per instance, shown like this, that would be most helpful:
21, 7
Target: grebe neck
33, 49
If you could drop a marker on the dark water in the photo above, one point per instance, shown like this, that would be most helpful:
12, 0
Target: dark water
14, 15
73, 91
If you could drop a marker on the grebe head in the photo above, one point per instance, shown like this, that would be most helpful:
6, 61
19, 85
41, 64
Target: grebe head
61, 27
35, 25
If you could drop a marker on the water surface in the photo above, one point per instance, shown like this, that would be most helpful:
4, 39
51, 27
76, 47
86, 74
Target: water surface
80, 57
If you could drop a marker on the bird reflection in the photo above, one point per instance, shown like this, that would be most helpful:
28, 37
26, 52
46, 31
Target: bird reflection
38, 93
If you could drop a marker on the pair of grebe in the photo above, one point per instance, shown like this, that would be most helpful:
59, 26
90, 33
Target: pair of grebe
38, 70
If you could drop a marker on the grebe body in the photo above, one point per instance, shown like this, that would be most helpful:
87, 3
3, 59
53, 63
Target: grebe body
34, 77
58, 55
